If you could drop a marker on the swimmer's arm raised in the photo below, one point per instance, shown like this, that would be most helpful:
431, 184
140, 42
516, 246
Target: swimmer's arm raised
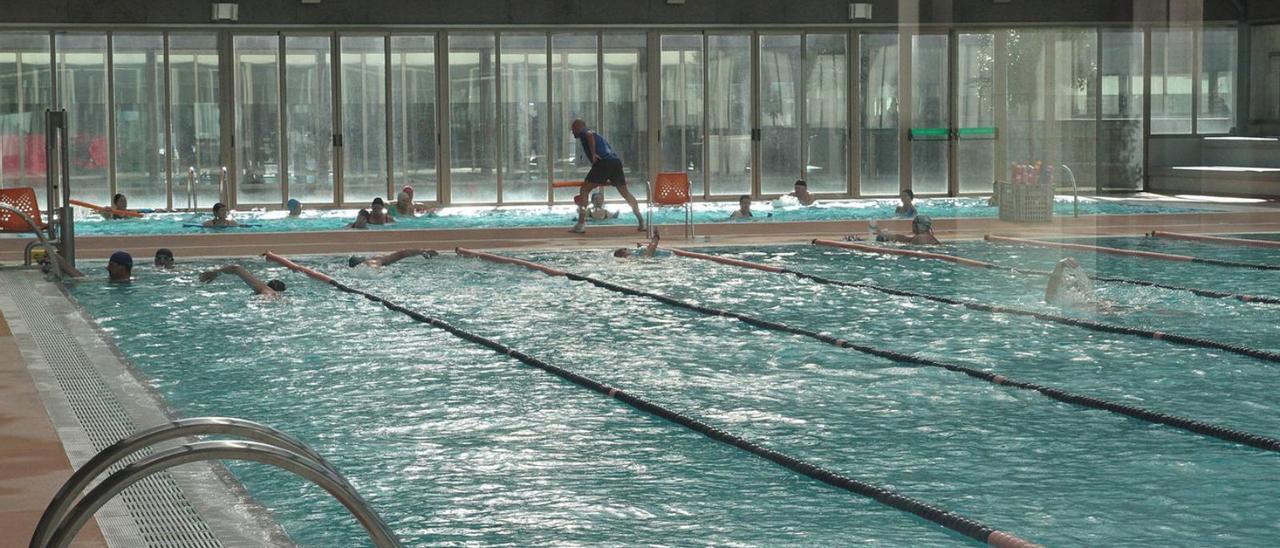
249, 279
392, 258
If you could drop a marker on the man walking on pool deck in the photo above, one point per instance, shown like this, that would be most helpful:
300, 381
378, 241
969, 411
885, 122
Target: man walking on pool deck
606, 169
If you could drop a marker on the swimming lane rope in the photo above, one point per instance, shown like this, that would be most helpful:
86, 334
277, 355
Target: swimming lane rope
1130, 253
1033, 272
950, 520
997, 309
1270, 244
1191, 425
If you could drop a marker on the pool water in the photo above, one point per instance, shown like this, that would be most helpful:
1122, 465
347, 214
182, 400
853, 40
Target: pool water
454, 444
544, 216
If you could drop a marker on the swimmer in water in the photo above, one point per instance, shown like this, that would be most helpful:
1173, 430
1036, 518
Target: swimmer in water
272, 288
801, 192
1069, 286
908, 207
648, 253
119, 267
220, 216
295, 207
597, 211
362, 220
390, 258
118, 202
744, 209
378, 213
407, 207
164, 259
921, 233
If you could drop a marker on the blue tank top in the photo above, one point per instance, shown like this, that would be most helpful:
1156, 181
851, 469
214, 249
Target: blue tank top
603, 150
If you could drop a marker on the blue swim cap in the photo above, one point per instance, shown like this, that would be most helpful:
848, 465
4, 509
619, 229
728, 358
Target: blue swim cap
122, 258
293, 202
355, 260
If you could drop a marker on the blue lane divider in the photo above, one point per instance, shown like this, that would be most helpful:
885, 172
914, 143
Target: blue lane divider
951, 520
1191, 425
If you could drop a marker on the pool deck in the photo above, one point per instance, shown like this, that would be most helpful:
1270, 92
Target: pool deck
34, 460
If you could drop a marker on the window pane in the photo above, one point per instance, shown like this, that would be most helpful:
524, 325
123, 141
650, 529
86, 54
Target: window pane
1072, 139
975, 110
574, 95
364, 119
25, 93
195, 113
257, 119
82, 90
1027, 133
414, 129
525, 173
1120, 137
1171, 52
472, 121
729, 114
625, 110
1217, 80
682, 91
138, 74
878, 68
826, 68
930, 110
779, 113
309, 118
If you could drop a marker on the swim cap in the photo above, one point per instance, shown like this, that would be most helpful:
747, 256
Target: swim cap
276, 285
293, 202
407, 189
921, 224
122, 258
355, 260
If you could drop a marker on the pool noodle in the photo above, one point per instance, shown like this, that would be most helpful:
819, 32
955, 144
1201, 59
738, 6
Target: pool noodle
100, 209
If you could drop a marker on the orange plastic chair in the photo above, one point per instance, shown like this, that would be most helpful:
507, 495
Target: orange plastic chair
672, 189
24, 200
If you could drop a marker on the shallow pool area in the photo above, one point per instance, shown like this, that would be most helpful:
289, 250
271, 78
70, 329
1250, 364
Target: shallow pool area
552, 216
455, 444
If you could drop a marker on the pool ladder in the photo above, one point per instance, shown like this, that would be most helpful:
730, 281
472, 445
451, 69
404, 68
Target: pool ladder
61, 521
193, 202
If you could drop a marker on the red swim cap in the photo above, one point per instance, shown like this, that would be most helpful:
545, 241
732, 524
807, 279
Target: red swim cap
407, 189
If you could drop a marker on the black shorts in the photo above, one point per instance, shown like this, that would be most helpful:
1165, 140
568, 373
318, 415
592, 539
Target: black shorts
607, 172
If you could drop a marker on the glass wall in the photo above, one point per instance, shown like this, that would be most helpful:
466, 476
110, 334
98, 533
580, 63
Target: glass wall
878, 75
930, 111
728, 115
975, 112
625, 97
414, 126
780, 112
472, 120
257, 119
826, 107
1171, 58
195, 118
82, 91
309, 118
138, 78
25, 93
682, 96
1119, 138
523, 88
364, 119
574, 95
1072, 135
1218, 50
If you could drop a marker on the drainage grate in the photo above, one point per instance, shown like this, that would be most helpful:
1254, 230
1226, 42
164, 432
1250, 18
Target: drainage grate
157, 505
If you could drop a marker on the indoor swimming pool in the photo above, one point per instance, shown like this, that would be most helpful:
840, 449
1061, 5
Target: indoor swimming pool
453, 443
544, 216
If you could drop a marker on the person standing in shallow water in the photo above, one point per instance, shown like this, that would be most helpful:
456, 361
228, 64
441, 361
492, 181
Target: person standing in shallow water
606, 170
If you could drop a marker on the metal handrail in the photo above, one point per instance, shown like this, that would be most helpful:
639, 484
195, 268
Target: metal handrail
48, 248
648, 210
192, 202
80, 480
1075, 191
379, 532
222, 186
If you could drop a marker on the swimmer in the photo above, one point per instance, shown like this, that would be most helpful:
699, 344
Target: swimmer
407, 207
272, 288
164, 258
119, 267
295, 207
378, 213
597, 212
362, 220
220, 216
118, 202
606, 170
921, 233
744, 209
908, 207
390, 258
801, 192
648, 253
1069, 285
